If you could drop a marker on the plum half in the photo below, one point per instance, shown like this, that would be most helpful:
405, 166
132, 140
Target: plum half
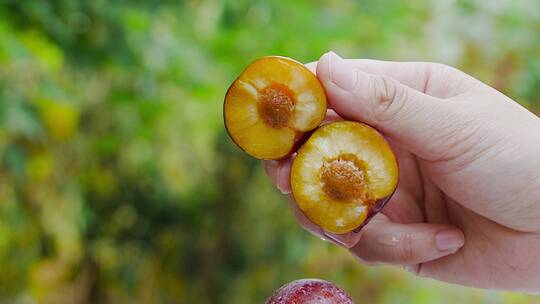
310, 291
273, 102
343, 175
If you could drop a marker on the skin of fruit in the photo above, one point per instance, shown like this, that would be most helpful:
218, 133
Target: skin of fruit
339, 140
265, 145
310, 291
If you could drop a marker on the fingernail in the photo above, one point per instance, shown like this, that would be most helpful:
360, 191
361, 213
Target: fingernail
337, 239
333, 241
283, 176
279, 182
278, 178
270, 168
326, 239
341, 73
283, 191
449, 240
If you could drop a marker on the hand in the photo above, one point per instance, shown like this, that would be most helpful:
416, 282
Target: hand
467, 207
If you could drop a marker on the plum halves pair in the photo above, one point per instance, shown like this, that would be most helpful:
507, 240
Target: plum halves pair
342, 174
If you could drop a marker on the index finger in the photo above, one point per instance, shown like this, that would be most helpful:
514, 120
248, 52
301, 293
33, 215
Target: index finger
435, 79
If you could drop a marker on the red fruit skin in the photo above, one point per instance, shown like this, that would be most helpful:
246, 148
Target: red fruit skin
310, 291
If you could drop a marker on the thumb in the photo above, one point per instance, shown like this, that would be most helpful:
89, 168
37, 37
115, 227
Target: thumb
418, 122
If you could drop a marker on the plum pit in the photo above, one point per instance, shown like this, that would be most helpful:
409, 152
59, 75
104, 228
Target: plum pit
344, 179
276, 105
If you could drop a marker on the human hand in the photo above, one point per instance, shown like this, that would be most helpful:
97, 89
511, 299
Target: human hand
467, 207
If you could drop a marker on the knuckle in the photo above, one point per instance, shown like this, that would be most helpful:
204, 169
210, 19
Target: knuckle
388, 96
405, 250
446, 81
436, 66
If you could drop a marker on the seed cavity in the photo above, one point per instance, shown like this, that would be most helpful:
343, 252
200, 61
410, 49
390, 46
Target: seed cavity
345, 179
276, 105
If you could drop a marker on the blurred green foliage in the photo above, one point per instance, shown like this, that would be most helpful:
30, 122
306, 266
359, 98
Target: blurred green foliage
118, 183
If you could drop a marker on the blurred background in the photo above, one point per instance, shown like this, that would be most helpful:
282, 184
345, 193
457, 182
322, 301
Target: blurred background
118, 183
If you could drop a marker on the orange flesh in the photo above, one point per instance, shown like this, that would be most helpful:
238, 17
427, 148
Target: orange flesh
276, 105
271, 104
342, 171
